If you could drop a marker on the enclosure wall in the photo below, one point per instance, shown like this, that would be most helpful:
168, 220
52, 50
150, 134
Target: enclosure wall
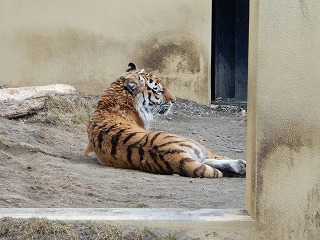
283, 183
89, 43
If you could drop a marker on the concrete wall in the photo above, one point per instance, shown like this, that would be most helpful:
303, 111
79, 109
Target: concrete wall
89, 43
283, 183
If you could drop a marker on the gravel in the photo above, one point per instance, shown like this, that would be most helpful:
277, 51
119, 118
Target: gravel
186, 108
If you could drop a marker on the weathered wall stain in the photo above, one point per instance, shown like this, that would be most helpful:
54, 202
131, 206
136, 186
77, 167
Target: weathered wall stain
288, 192
312, 214
286, 167
43, 46
304, 8
292, 134
180, 54
180, 61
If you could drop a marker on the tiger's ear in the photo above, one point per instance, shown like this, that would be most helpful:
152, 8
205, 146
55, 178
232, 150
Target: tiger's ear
131, 66
131, 86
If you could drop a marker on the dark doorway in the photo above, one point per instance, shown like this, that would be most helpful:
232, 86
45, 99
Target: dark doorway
230, 25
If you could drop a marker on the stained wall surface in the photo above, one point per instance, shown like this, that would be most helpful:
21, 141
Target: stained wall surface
283, 181
89, 43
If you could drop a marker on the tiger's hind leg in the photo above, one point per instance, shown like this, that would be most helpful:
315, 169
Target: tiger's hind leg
189, 167
228, 167
192, 168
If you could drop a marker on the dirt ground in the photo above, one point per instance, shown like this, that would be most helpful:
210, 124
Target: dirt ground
41, 165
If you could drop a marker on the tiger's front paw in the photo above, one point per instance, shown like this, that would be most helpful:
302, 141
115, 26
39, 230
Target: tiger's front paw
238, 166
229, 167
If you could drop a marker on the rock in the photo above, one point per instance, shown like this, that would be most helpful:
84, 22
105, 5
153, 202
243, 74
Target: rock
19, 102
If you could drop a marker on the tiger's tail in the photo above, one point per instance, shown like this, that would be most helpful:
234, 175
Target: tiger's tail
88, 150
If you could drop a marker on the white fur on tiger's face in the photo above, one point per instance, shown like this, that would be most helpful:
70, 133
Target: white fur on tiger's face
152, 98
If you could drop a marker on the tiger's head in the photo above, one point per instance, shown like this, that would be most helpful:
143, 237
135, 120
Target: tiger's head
154, 97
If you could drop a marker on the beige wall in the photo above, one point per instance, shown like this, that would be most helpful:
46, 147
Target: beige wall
283, 184
89, 43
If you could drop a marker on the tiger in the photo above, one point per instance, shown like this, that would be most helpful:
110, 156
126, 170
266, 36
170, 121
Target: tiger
119, 132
